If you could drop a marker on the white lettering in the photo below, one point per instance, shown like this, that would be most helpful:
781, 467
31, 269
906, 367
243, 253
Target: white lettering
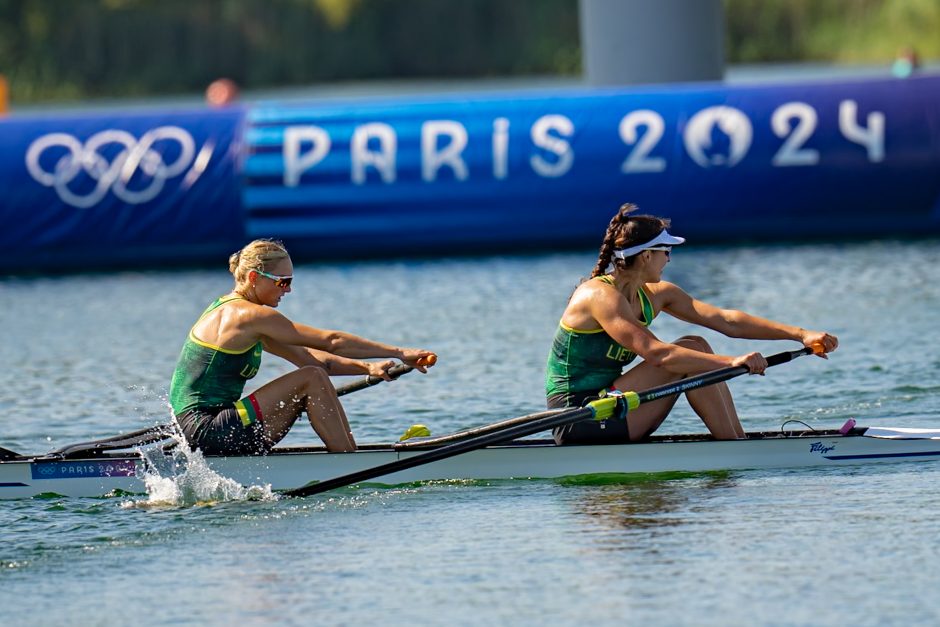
295, 163
500, 148
433, 159
792, 152
638, 160
872, 137
382, 159
717, 136
542, 138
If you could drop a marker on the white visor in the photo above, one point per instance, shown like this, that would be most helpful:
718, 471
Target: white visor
664, 239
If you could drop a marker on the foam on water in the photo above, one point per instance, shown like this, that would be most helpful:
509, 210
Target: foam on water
185, 479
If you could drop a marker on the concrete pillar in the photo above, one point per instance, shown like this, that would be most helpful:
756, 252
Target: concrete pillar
627, 42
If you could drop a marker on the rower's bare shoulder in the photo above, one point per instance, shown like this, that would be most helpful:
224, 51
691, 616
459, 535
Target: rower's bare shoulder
593, 291
664, 285
246, 316
661, 288
664, 293
580, 311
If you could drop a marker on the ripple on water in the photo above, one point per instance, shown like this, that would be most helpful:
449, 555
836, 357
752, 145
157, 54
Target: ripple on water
847, 546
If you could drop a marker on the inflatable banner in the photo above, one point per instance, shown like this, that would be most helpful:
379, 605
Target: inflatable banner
758, 162
91, 191
470, 173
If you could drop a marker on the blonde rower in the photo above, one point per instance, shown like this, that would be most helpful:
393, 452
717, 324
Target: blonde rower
223, 351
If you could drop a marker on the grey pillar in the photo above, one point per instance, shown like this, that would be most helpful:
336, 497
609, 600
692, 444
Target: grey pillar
626, 42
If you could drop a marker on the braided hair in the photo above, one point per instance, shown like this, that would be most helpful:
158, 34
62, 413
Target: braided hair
624, 231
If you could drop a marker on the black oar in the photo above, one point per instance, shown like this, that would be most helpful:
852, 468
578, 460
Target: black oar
162, 432
600, 410
394, 372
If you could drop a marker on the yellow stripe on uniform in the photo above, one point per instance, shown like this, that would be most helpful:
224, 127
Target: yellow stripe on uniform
227, 351
580, 331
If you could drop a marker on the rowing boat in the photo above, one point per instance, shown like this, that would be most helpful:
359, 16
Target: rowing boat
85, 473
496, 451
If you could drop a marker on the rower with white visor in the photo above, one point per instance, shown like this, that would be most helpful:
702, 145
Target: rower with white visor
606, 326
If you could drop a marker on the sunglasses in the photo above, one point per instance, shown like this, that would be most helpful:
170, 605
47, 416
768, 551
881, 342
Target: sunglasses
282, 282
665, 249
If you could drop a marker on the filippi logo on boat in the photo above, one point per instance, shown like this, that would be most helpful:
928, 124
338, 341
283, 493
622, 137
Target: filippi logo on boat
113, 160
822, 449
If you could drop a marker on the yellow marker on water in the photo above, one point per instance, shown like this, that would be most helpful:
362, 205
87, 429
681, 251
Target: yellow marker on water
415, 431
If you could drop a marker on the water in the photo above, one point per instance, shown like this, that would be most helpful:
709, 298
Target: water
91, 355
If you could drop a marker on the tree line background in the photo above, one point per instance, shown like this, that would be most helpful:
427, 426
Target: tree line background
58, 50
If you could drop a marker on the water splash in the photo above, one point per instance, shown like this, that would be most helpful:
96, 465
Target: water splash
184, 479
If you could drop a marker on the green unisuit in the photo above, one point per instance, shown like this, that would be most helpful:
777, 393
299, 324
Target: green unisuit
208, 375
588, 361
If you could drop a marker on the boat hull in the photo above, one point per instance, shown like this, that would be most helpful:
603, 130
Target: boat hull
291, 467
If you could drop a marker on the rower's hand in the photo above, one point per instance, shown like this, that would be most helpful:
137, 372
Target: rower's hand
754, 362
418, 359
380, 369
828, 341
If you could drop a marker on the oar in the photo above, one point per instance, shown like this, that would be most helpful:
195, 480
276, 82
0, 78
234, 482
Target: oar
394, 372
164, 431
141, 437
599, 410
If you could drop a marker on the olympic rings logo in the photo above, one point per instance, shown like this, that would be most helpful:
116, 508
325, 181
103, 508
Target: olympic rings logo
135, 159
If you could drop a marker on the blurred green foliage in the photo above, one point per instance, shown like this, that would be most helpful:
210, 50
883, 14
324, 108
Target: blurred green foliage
56, 49
842, 31
74, 49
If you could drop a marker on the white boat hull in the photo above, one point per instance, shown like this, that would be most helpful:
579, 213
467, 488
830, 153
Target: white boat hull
293, 467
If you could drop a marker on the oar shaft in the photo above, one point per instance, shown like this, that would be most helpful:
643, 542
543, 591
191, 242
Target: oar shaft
551, 419
366, 382
118, 442
716, 376
540, 422
394, 372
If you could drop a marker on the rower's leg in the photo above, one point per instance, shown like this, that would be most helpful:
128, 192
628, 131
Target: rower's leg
326, 413
308, 388
712, 404
646, 418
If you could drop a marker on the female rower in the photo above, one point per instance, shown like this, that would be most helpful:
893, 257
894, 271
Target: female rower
224, 349
606, 323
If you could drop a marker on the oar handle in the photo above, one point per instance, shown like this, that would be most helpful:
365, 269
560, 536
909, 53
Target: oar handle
430, 360
394, 372
785, 356
605, 407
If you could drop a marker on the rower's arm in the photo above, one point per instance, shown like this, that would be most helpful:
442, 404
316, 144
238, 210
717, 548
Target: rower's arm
735, 323
272, 325
302, 356
612, 312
